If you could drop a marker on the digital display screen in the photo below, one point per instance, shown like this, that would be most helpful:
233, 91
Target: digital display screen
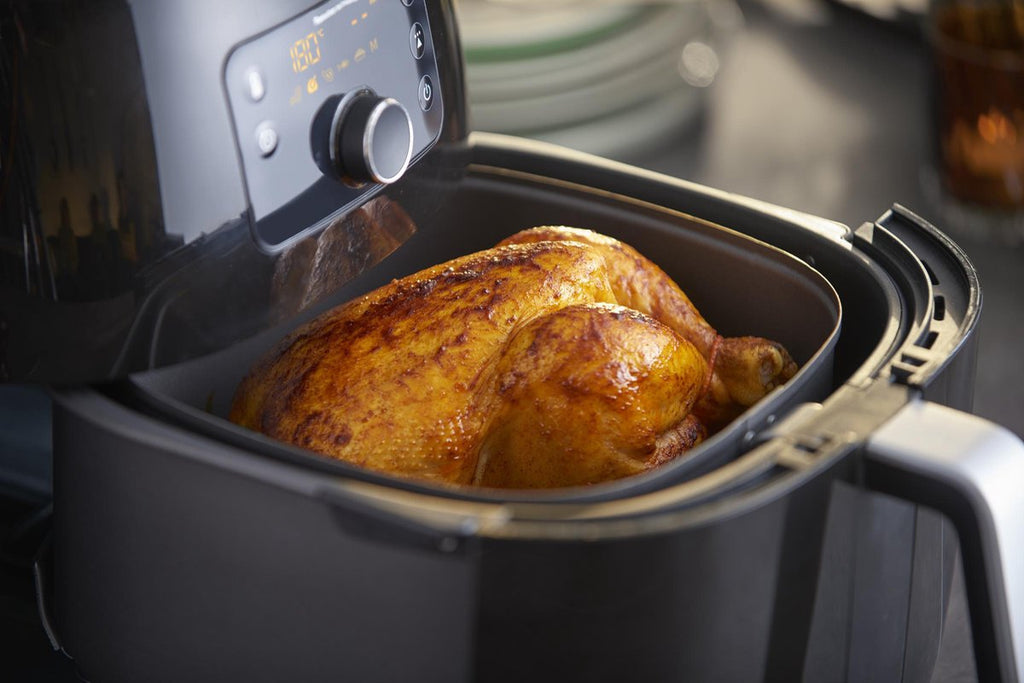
305, 52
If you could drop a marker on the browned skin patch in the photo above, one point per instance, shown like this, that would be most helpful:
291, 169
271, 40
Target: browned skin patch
420, 351
594, 404
677, 440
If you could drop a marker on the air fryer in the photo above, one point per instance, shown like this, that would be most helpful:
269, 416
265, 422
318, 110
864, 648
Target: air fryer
812, 538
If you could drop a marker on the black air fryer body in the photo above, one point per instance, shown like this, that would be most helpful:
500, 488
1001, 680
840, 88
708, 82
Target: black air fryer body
811, 539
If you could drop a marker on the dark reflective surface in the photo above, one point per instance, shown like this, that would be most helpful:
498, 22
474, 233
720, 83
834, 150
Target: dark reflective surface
127, 236
80, 200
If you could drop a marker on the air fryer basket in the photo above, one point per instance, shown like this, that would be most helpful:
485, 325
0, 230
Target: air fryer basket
743, 286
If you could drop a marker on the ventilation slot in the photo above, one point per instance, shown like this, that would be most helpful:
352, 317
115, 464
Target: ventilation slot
901, 374
940, 307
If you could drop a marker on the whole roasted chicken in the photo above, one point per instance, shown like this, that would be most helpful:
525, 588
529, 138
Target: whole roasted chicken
560, 357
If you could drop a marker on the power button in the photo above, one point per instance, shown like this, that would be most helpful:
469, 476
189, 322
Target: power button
426, 93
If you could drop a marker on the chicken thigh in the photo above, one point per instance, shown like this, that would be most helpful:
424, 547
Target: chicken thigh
590, 393
744, 369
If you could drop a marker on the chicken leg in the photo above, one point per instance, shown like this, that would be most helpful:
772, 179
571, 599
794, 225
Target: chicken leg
744, 369
590, 393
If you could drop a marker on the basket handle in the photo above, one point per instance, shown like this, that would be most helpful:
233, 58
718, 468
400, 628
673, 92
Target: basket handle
972, 471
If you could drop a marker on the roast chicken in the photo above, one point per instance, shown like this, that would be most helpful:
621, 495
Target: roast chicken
560, 357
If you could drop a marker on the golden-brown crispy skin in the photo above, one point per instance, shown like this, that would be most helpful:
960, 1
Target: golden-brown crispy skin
559, 358
400, 380
637, 281
745, 369
590, 393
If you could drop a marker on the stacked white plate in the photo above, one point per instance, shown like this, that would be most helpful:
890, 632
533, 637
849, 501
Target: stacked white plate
609, 78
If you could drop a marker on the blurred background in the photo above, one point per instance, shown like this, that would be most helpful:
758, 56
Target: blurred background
825, 106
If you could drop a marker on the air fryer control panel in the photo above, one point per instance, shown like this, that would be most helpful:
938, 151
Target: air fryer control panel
329, 107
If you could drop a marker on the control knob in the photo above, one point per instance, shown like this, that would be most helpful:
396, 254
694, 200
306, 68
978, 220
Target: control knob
362, 137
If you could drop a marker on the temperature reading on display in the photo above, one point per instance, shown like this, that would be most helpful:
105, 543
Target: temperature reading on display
305, 52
